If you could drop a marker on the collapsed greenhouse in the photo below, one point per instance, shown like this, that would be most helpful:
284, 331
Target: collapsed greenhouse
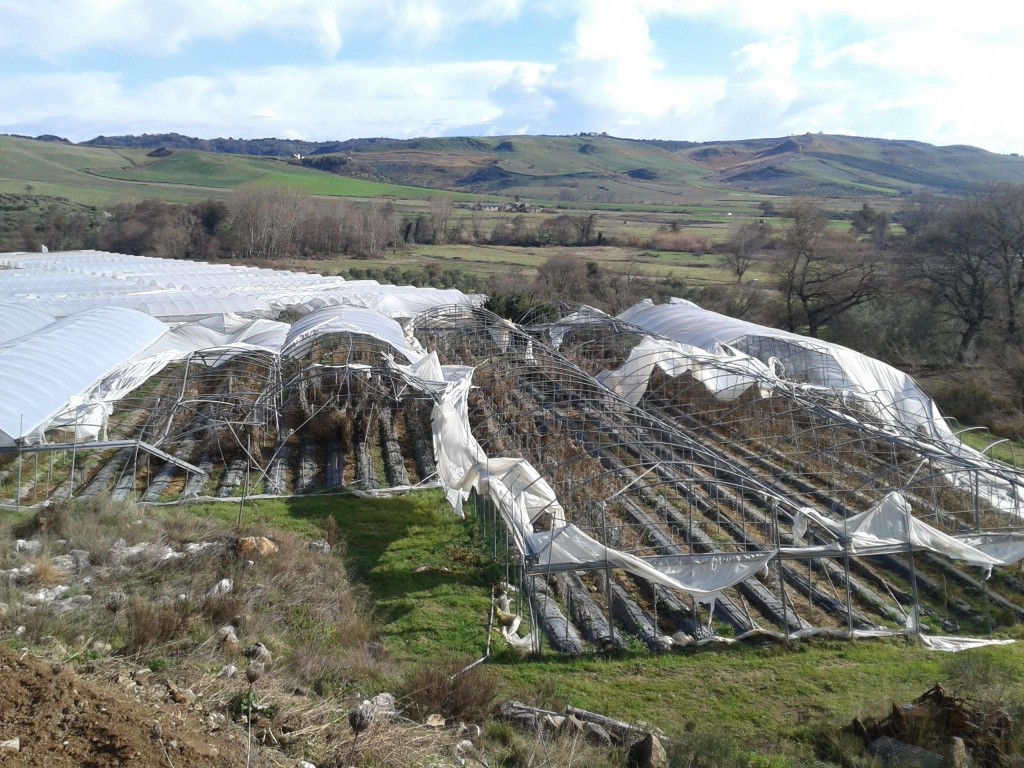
669, 475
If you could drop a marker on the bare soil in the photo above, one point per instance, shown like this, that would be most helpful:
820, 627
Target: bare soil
68, 717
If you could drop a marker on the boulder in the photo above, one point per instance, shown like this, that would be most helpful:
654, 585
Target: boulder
647, 753
252, 547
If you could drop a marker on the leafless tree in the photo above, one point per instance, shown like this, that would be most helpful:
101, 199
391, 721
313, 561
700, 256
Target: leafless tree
1001, 208
821, 274
741, 250
950, 264
374, 228
441, 207
562, 277
265, 219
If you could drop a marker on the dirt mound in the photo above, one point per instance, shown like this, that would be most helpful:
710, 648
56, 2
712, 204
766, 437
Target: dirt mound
61, 718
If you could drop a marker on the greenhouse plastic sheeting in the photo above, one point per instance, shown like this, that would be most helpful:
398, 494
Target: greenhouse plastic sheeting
727, 374
521, 494
42, 372
703, 578
352, 320
894, 395
396, 301
178, 290
17, 320
228, 334
888, 527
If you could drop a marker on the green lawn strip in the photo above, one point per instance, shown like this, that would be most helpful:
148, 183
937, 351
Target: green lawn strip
204, 169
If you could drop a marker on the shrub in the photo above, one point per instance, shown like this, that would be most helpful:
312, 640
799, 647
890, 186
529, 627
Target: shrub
441, 687
680, 241
150, 624
971, 401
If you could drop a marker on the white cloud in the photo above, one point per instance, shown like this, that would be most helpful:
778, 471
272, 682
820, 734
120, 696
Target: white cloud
50, 29
321, 103
896, 69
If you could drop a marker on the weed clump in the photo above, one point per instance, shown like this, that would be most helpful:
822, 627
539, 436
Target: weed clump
447, 688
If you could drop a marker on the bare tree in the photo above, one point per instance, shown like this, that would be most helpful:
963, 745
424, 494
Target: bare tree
821, 274
873, 223
1001, 208
562, 277
265, 219
741, 250
375, 228
441, 207
951, 266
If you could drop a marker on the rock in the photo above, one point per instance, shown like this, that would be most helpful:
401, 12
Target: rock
10, 745
595, 734
30, 547
80, 557
321, 545
361, 718
647, 753
228, 671
204, 548
464, 747
187, 696
384, 704
222, 587
552, 723
303, 764
65, 563
228, 640
140, 676
258, 652
570, 726
435, 721
252, 547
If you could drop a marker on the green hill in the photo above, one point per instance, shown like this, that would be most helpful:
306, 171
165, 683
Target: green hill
99, 175
588, 168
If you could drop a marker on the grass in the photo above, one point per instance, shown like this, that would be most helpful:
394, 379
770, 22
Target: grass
102, 176
1008, 451
413, 555
427, 576
428, 581
487, 260
203, 169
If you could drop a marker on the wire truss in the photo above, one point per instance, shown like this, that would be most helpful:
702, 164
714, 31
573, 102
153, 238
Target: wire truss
685, 472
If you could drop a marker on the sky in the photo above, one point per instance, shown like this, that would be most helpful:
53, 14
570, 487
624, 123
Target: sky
697, 70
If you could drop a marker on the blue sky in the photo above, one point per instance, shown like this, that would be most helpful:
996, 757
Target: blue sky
696, 70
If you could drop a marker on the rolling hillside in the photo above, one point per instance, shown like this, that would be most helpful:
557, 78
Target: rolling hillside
593, 169
98, 175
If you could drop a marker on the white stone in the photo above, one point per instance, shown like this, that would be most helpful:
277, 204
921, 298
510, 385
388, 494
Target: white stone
222, 587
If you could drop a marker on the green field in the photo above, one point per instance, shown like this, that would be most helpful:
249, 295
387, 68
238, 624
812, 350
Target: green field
99, 176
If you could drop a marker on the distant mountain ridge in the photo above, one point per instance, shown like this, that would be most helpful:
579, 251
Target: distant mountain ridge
602, 168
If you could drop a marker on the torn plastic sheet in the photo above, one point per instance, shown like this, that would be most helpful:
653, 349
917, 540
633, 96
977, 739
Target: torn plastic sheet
1006, 547
885, 528
955, 644
701, 576
727, 374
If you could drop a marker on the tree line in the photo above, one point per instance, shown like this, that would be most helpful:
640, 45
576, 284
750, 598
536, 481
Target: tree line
267, 223
942, 280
